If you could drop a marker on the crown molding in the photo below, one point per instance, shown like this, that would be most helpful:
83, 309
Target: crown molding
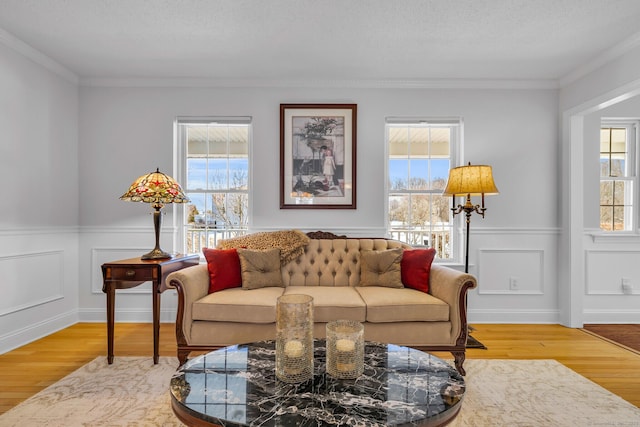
604, 58
319, 83
36, 56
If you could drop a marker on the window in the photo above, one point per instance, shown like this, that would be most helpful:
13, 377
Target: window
214, 172
420, 153
617, 175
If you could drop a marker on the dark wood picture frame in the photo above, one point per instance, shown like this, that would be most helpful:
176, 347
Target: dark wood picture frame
318, 156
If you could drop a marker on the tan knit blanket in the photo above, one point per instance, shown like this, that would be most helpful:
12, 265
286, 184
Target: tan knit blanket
290, 242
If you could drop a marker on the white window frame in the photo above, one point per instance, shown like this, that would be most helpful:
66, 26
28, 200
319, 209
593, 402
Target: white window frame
631, 163
180, 166
456, 126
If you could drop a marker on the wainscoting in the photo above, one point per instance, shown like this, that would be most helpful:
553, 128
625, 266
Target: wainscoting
46, 282
612, 282
39, 271
55, 280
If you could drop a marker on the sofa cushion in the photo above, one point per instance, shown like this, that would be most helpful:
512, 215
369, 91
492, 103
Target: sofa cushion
381, 268
224, 269
260, 269
402, 305
415, 266
332, 262
325, 263
238, 305
333, 302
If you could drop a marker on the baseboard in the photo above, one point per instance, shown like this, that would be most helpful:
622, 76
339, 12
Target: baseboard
36, 331
611, 316
514, 316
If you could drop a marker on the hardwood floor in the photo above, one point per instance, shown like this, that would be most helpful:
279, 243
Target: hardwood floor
625, 334
31, 368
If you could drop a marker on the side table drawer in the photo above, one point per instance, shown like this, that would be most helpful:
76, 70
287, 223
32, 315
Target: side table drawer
133, 274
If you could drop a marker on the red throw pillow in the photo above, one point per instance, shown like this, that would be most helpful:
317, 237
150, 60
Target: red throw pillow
224, 269
415, 267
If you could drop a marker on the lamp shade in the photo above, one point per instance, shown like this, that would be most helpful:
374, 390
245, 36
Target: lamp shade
156, 188
474, 180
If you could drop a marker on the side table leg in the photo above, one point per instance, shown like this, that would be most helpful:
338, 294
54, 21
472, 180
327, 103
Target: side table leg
156, 322
111, 296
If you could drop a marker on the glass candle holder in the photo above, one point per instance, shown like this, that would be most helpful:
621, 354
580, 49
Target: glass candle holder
294, 338
345, 349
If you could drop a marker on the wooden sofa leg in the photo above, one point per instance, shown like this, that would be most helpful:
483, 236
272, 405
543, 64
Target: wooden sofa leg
183, 355
459, 357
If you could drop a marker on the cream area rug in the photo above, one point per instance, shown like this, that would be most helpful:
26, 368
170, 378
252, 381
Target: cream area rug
134, 392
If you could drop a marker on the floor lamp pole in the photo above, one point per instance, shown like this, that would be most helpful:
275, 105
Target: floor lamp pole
466, 256
468, 208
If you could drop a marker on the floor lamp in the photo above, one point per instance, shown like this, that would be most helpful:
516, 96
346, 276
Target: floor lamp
468, 181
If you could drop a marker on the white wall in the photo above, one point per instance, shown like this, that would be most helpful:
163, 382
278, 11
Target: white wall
591, 266
39, 213
607, 260
70, 151
603, 84
127, 131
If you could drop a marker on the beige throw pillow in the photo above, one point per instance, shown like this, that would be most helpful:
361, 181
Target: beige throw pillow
381, 268
260, 269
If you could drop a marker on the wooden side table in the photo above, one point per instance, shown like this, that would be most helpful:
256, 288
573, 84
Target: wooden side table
129, 273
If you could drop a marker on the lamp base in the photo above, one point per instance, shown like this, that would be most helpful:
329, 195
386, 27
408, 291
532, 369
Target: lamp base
156, 253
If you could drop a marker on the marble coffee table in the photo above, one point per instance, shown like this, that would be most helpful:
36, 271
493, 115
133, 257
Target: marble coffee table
237, 386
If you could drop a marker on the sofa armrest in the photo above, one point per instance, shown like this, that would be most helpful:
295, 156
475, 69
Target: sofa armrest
191, 283
451, 286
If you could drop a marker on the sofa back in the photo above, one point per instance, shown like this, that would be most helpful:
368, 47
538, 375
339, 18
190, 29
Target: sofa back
332, 262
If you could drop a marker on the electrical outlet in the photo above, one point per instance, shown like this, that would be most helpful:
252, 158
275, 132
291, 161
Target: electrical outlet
627, 287
513, 283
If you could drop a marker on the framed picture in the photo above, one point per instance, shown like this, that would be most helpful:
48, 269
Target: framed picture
318, 156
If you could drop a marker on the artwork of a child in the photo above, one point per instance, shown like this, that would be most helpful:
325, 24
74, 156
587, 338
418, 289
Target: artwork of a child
328, 167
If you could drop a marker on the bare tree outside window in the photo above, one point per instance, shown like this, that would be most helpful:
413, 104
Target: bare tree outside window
617, 178
419, 158
216, 181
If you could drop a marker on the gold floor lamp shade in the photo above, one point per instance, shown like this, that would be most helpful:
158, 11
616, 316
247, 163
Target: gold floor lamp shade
467, 181
157, 189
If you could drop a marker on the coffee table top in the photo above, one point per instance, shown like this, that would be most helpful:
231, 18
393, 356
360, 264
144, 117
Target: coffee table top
237, 386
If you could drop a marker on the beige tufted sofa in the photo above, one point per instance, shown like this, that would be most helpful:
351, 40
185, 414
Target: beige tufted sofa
329, 271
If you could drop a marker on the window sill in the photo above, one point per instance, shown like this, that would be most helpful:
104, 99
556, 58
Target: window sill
622, 237
454, 265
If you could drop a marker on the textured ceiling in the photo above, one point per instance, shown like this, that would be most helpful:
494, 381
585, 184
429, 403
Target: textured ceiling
322, 39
